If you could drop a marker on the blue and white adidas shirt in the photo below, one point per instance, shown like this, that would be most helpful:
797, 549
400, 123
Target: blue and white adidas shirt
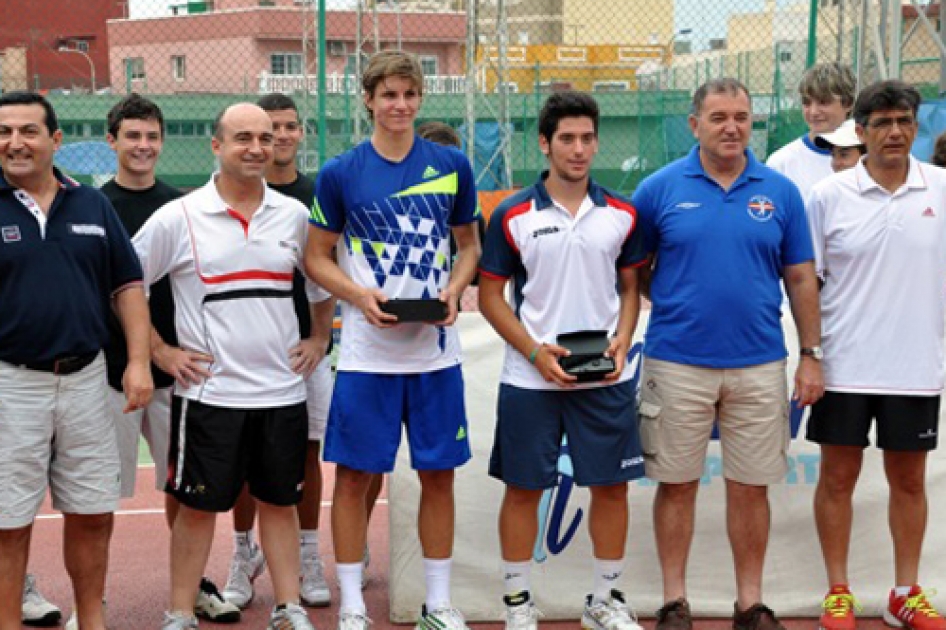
564, 268
395, 218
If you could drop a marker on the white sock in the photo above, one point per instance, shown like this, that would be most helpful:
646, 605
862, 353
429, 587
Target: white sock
516, 576
607, 574
244, 540
349, 584
309, 537
437, 574
902, 591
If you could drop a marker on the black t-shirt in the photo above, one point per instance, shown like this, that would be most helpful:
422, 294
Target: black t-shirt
134, 207
302, 189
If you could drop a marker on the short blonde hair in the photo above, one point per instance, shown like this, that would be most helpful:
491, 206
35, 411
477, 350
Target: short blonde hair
392, 63
823, 81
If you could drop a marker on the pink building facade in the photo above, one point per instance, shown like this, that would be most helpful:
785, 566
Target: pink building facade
240, 47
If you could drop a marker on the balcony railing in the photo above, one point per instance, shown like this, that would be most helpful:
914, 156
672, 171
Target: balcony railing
348, 84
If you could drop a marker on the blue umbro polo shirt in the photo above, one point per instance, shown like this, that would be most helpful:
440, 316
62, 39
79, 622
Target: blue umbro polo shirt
716, 289
56, 284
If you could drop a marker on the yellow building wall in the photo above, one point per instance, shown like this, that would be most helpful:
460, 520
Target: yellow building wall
593, 22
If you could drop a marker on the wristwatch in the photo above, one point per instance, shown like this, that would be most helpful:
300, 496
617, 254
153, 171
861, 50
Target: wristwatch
815, 352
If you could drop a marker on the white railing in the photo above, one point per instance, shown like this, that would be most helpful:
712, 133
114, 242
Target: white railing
347, 84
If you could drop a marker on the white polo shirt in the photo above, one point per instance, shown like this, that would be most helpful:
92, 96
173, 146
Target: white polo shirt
564, 268
232, 286
882, 258
803, 163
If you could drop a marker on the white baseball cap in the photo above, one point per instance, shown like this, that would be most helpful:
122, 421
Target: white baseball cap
844, 137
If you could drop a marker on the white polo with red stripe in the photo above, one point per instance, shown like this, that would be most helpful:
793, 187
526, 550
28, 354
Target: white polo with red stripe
882, 258
232, 286
564, 268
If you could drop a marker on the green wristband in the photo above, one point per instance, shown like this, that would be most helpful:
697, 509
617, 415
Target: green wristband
534, 354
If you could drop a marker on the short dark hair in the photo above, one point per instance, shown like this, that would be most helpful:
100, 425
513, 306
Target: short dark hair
32, 98
566, 104
277, 102
439, 132
885, 95
939, 151
133, 107
724, 85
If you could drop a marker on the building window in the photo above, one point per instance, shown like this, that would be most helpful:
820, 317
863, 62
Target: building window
134, 68
82, 45
784, 56
285, 63
179, 67
429, 66
611, 86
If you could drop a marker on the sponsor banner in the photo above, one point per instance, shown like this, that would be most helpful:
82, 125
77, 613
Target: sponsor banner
795, 580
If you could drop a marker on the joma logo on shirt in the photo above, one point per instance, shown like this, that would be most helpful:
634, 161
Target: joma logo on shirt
544, 231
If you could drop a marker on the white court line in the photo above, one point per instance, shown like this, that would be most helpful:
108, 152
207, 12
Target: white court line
153, 511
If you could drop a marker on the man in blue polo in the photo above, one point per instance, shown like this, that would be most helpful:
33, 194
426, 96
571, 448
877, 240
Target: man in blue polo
65, 262
724, 232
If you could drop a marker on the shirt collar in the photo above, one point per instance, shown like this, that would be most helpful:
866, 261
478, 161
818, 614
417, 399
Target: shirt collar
65, 182
216, 205
915, 178
692, 167
806, 140
543, 200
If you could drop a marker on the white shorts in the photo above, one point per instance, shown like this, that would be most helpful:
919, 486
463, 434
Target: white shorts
318, 398
56, 434
154, 423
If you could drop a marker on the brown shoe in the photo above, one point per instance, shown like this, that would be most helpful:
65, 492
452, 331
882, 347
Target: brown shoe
756, 617
675, 615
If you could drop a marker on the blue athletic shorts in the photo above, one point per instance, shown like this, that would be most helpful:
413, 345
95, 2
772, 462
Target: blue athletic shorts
601, 425
368, 409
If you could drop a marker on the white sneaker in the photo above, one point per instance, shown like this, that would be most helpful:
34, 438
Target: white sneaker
36, 610
315, 591
73, 623
289, 617
212, 606
353, 620
521, 613
178, 621
244, 569
613, 614
445, 618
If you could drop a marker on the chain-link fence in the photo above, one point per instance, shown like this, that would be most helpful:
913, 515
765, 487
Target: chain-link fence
488, 65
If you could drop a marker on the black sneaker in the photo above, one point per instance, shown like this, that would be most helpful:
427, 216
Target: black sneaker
756, 617
212, 606
675, 615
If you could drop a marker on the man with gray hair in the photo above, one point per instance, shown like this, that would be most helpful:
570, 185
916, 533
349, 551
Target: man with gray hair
230, 249
722, 230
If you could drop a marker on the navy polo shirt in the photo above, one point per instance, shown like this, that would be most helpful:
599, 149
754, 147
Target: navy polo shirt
56, 287
716, 289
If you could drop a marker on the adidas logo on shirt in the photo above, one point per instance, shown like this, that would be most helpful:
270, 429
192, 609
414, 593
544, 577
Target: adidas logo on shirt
430, 171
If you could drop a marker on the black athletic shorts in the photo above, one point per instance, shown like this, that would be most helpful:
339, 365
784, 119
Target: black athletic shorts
215, 450
904, 423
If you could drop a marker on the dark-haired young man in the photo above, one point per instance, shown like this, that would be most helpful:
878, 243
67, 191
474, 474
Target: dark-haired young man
879, 231
572, 249
136, 134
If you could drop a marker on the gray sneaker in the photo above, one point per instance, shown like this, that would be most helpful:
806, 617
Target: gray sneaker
289, 617
352, 620
178, 621
36, 609
315, 591
244, 569
613, 614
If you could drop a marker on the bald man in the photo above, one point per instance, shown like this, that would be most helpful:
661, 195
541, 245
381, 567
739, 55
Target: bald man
230, 249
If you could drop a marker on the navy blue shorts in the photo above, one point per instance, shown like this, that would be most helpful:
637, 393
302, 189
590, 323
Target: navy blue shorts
600, 423
368, 409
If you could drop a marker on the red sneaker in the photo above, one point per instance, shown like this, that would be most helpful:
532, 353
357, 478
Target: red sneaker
839, 607
913, 611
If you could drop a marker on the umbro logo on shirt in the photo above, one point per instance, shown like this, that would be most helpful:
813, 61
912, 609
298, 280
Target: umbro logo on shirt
11, 233
546, 230
430, 171
929, 212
